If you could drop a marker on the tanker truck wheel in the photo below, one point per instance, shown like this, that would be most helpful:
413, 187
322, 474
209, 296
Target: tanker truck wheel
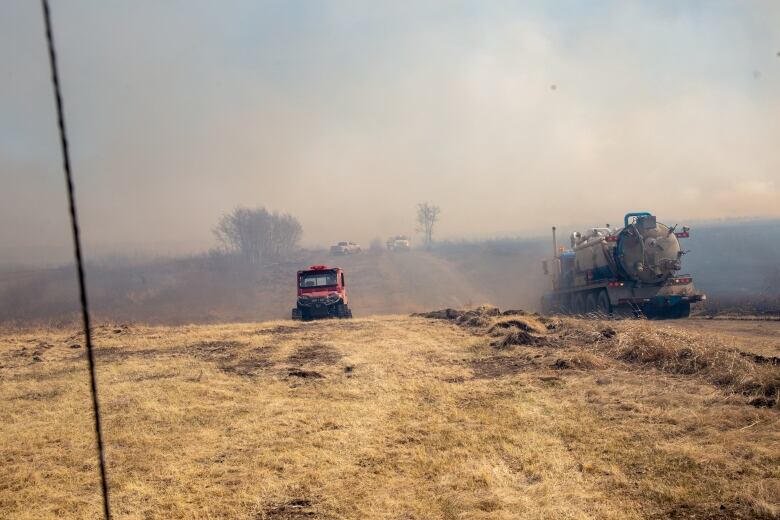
604, 308
590, 305
570, 303
681, 310
577, 305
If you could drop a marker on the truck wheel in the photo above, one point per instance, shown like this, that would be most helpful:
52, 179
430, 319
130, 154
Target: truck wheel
296, 314
603, 307
343, 311
552, 305
567, 304
577, 305
590, 305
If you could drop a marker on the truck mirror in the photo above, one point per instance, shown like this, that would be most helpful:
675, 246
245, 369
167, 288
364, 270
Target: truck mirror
544, 266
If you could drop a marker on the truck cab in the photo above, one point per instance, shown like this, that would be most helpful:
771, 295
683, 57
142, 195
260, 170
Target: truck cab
321, 293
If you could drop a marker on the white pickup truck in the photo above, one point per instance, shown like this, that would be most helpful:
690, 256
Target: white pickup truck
399, 243
345, 248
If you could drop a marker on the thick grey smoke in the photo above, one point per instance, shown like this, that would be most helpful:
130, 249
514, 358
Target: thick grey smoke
346, 114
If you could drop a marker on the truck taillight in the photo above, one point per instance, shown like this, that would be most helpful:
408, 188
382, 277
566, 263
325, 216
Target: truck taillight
612, 238
616, 284
682, 280
682, 234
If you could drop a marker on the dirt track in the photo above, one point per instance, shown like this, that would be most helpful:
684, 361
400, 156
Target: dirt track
418, 280
407, 282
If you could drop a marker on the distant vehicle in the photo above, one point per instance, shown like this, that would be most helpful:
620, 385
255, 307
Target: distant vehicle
399, 243
630, 271
322, 293
345, 248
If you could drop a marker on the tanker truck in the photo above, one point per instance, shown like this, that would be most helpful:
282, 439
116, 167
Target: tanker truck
624, 272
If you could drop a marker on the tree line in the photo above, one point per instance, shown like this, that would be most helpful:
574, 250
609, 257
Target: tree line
259, 236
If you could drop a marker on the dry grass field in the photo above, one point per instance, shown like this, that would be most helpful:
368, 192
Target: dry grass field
761, 336
476, 415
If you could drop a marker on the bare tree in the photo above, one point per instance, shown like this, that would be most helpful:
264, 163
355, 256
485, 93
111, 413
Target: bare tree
286, 232
427, 216
258, 235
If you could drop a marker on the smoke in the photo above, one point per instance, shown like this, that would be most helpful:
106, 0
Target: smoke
346, 114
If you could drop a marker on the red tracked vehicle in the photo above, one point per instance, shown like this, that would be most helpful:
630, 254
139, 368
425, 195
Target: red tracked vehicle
322, 293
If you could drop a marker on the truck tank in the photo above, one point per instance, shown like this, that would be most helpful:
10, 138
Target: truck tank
625, 271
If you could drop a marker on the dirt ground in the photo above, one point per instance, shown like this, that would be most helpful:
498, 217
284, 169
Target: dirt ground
476, 415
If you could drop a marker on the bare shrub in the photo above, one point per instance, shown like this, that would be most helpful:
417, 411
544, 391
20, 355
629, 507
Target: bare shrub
258, 235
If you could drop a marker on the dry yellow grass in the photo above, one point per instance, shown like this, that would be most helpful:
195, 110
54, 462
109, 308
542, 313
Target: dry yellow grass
387, 417
759, 336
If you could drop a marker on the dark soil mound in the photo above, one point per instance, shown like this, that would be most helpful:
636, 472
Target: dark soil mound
520, 337
503, 325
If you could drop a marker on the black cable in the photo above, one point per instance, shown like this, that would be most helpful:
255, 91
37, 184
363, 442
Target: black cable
77, 250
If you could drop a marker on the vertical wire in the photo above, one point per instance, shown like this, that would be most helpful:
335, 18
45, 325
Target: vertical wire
77, 251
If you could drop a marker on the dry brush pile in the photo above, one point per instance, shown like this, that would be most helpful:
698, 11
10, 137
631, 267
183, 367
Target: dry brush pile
628, 344
684, 423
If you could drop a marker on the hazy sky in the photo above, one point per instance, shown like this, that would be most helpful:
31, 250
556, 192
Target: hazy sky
512, 116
